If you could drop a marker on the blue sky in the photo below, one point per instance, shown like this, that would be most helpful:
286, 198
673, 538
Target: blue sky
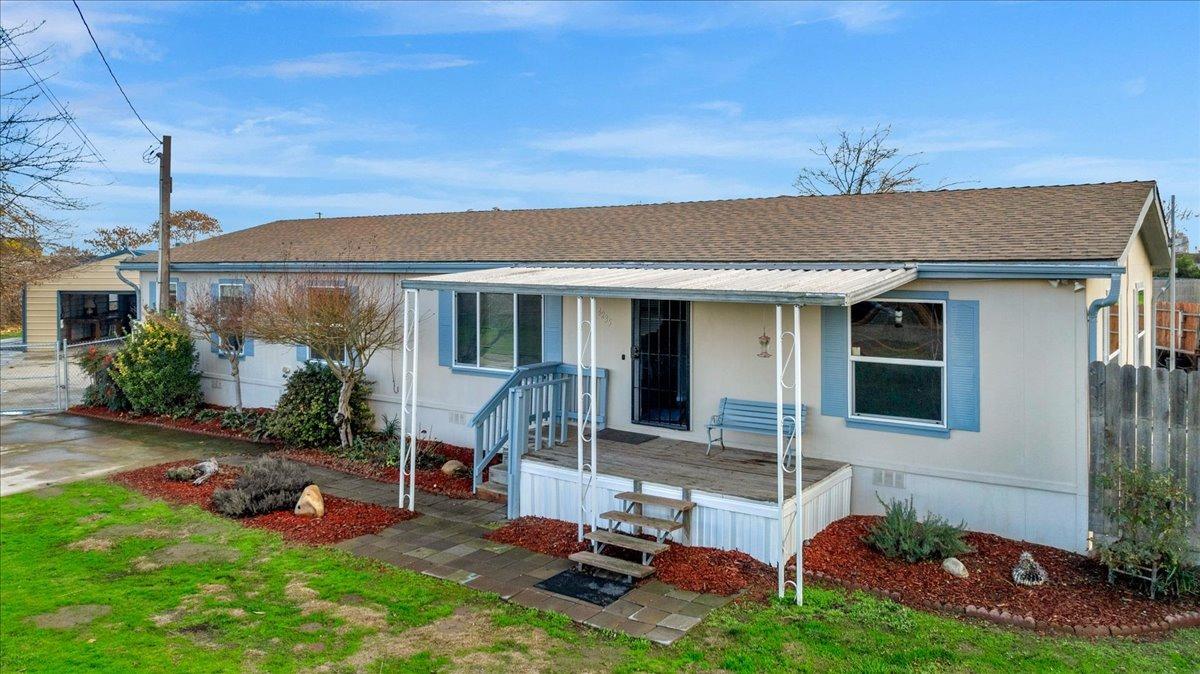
283, 110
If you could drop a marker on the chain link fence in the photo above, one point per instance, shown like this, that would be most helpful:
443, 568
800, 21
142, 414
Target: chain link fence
45, 376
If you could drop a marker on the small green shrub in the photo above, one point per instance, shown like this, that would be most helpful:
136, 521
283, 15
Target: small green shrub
103, 391
304, 416
156, 369
375, 449
252, 422
1152, 515
206, 415
267, 485
181, 473
899, 534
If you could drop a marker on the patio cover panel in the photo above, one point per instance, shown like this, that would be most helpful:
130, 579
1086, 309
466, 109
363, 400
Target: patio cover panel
765, 286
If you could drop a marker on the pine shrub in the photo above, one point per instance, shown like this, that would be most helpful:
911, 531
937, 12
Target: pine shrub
304, 415
899, 534
267, 485
157, 367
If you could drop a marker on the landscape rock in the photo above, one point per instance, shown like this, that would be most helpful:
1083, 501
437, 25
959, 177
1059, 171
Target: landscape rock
311, 503
955, 568
454, 467
1028, 572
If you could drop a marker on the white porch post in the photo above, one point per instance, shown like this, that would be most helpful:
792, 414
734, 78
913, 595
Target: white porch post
784, 359
409, 353
585, 417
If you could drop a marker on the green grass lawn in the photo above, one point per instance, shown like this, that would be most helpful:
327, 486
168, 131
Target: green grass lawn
95, 577
10, 331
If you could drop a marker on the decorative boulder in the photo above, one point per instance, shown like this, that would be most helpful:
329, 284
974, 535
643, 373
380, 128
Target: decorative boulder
453, 467
204, 470
954, 567
1028, 572
311, 503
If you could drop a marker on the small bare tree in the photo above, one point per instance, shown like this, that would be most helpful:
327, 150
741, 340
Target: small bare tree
223, 319
860, 165
343, 320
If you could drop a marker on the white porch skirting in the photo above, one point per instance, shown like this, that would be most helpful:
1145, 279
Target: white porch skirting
717, 521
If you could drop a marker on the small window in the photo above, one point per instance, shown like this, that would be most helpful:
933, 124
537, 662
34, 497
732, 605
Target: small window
173, 296
329, 302
497, 331
898, 361
229, 298
1141, 324
1114, 332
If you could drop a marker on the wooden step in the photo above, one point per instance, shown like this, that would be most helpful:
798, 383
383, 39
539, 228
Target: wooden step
624, 541
493, 491
650, 500
641, 521
612, 564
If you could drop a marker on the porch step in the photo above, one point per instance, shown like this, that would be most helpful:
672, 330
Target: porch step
625, 541
498, 473
493, 491
612, 564
657, 523
647, 499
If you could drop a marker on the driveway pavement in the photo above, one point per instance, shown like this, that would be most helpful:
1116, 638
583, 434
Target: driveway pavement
44, 450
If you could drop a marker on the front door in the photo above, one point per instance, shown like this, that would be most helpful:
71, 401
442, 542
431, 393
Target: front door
661, 363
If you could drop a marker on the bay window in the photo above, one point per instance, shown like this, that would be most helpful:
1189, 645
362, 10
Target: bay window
898, 361
497, 331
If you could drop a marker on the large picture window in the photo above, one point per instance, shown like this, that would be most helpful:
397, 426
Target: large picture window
898, 361
497, 331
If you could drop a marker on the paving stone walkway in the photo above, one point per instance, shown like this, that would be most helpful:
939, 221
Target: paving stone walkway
447, 542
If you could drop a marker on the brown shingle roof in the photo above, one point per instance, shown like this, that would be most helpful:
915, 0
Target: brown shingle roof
1073, 222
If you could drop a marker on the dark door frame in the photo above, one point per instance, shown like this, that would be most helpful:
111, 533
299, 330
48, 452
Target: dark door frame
636, 365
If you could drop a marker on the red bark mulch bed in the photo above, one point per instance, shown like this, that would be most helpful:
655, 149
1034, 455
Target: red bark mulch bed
344, 518
432, 480
188, 424
697, 569
1077, 593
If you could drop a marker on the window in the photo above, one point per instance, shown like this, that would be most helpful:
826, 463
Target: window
1114, 331
172, 296
1140, 347
328, 302
230, 295
497, 331
898, 361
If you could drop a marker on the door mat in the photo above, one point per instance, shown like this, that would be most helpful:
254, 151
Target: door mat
586, 587
627, 437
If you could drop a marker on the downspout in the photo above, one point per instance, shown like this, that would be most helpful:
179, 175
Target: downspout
137, 292
1114, 292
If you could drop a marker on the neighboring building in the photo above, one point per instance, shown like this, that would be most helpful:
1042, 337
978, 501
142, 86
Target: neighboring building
944, 336
83, 303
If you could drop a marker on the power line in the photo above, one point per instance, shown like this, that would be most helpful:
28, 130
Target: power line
112, 74
39, 81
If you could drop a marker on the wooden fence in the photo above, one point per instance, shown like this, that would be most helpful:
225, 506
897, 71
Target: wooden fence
1143, 416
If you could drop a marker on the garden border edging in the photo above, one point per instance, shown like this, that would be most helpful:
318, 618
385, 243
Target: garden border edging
1172, 622
150, 421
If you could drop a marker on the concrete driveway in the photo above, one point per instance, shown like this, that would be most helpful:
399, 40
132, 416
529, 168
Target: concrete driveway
39, 451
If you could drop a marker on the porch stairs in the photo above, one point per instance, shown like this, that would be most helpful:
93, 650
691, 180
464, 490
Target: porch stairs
633, 517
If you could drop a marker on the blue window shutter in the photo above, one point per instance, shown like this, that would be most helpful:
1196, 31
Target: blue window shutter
552, 334
301, 353
152, 301
962, 367
835, 359
181, 293
445, 328
248, 348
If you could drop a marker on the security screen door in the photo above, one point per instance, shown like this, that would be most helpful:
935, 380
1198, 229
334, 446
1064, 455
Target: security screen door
661, 363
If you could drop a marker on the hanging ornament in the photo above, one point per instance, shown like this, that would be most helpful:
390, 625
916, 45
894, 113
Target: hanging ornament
764, 341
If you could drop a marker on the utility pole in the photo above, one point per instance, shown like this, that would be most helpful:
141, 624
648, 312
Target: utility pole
1171, 285
164, 225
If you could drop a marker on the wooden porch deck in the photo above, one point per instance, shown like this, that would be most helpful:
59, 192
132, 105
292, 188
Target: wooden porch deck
732, 472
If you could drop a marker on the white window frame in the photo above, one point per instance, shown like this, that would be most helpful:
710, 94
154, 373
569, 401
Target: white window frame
172, 295
241, 284
902, 421
1114, 352
1141, 321
308, 349
455, 362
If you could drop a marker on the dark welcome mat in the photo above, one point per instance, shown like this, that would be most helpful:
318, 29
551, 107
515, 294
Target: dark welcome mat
584, 586
627, 437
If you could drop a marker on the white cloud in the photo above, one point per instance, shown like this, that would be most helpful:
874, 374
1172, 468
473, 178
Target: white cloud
63, 34
1091, 169
727, 108
353, 64
1134, 87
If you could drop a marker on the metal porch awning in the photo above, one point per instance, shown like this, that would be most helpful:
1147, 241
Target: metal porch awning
823, 286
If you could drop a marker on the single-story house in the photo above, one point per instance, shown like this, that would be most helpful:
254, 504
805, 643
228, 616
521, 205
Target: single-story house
87, 302
941, 349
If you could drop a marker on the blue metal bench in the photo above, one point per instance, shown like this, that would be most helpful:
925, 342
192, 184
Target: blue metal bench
751, 416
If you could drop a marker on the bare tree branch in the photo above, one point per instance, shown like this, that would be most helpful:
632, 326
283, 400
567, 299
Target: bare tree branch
224, 321
860, 165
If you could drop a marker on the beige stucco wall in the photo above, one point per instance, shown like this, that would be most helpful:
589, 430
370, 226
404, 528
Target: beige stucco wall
1138, 273
41, 299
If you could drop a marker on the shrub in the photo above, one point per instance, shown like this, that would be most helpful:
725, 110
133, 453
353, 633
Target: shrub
1152, 515
181, 473
304, 416
267, 485
156, 369
251, 422
900, 535
206, 415
370, 448
103, 391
